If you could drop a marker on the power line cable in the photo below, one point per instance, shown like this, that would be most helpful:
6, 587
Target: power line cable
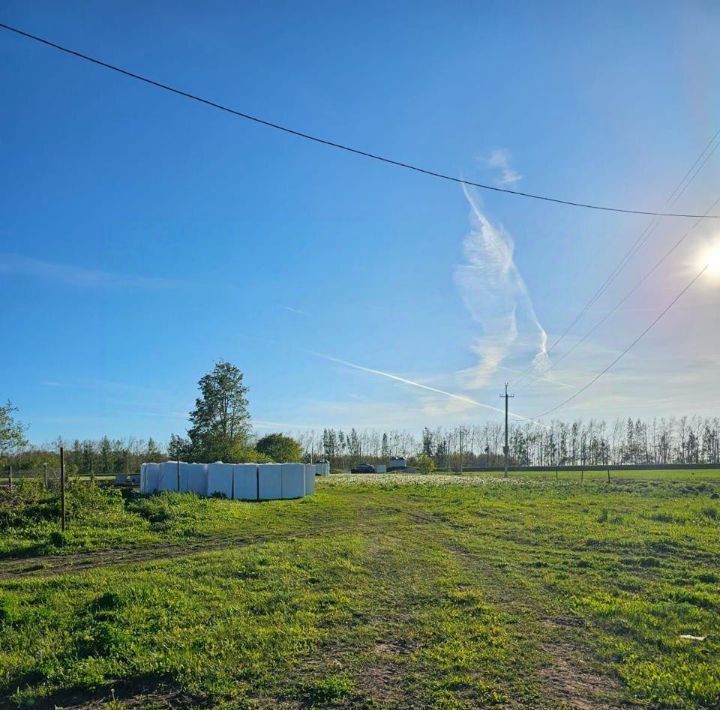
639, 283
646, 233
627, 349
672, 197
341, 146
710, 147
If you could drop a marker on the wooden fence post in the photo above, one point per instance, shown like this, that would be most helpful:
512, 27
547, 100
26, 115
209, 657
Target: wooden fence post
62, 489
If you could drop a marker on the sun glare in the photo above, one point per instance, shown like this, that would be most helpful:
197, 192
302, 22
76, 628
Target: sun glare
710, 256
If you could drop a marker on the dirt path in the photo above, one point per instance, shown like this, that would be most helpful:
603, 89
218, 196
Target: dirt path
83, 561
45, 565
571, 676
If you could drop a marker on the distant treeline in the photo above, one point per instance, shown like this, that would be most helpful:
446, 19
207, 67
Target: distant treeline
595, 442
684, 440
101, 457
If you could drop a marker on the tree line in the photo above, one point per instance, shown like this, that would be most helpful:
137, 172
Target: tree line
683, 440
595, 442
220, 430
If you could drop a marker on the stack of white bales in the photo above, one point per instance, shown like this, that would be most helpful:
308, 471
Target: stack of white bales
243, 481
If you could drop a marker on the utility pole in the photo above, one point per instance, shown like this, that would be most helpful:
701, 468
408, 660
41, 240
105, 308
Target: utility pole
62, 489
462, 431
506, 397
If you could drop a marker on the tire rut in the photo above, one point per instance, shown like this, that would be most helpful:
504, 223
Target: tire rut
80, 562
47, 565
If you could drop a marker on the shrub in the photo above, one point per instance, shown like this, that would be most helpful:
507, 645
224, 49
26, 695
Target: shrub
58, 539
280, 448
425, 464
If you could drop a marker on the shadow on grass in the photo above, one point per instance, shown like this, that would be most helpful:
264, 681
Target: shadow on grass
138, 692
38, 549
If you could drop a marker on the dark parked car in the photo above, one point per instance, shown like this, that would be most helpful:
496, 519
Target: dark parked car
363, 468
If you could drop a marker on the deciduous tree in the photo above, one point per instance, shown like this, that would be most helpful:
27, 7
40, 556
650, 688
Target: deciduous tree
280, 448
12, 432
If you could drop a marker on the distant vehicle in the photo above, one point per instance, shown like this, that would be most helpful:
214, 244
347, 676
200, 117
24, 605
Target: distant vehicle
127, 481
363, 468
397, 464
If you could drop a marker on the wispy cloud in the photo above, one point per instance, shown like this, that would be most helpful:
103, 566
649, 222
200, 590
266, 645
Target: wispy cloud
295, 310
78, 275
499, 159
283, 426
494, 292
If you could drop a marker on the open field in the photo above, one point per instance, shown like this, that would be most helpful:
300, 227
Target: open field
658, 474
379, 591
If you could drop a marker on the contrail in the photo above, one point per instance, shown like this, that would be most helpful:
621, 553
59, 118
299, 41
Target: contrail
404, 380
494, 292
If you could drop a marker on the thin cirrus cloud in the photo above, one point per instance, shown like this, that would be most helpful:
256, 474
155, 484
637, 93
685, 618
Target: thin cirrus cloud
499, 160
494, 293
78, 275
297, 311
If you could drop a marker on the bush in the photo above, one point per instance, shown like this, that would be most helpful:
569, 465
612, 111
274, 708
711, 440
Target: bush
58, 539
425, 464
27, 504
280, 448
85, 500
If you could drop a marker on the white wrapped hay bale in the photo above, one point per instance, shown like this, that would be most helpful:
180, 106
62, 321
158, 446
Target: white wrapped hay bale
168, 476
149, 477
293, 480
245, 481
269, 481
193, 478
310, 471
220, 479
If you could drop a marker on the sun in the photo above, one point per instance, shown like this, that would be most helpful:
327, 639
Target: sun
710, 257
713, 260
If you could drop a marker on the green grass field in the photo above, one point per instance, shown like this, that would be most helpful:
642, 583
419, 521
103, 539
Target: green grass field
378, 591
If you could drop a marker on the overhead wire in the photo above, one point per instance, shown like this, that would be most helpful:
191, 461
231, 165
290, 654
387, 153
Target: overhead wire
637, 285
673, 198
627, 349
710, 147
341, 146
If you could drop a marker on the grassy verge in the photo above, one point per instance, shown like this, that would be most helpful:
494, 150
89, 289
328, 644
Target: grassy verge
378, 592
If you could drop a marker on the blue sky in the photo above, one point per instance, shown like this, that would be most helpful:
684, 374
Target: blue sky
143, 237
